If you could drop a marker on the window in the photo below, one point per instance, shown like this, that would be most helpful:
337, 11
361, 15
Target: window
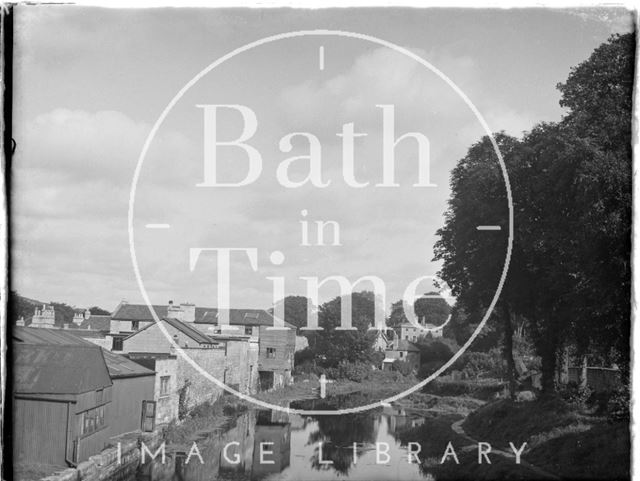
164, 385
271, 353
92, 421
401, 355
248, 330
99, 396
135, 325
117, 344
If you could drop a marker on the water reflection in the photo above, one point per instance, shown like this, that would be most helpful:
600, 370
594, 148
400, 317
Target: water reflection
270, 446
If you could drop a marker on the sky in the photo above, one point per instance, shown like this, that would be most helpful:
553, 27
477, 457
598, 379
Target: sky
90, 83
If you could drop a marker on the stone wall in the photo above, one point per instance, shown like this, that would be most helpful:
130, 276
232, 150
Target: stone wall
193, 388
106, 466
236, 366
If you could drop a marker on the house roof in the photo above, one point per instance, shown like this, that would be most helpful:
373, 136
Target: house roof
98, 323
86, 333
404, 345
58, 369
189, 331
184, 327
34, 335
119, 366
203, 315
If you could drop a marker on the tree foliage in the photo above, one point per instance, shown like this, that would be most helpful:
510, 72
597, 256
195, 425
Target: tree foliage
331, 345
569, 274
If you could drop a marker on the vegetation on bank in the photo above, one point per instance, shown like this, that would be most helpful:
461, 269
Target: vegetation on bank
567, 440
204, 419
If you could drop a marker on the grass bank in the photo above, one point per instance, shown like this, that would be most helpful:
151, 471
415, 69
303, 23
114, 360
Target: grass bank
559, 439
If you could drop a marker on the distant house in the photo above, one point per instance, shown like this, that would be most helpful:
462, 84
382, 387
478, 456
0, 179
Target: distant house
151, 338
381, 341
44, 317
96, 323
133, 384
403, 350
62, 397
276, 347
409, 332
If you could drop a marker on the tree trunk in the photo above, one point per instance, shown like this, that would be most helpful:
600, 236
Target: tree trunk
508, 350
563, 367
583, 372
548, 353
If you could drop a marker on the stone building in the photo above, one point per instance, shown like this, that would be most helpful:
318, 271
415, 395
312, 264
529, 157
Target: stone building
276, 347
232, 360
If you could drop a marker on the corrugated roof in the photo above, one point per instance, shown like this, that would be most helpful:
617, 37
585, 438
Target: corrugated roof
58, 369
203, 315
119, 366
98, 323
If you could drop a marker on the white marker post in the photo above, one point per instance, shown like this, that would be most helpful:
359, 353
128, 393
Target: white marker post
323, 386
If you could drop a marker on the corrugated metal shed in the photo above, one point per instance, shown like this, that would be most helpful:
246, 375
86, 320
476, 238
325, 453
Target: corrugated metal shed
46, 369
119, 366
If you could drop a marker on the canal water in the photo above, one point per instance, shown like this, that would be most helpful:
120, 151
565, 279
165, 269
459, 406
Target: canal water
290, 446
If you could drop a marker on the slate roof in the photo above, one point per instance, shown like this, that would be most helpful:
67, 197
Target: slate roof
98, 323
190, 331
119, 366
35, 335
58, 369
203, 315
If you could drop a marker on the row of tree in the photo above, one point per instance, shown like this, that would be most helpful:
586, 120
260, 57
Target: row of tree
569, 277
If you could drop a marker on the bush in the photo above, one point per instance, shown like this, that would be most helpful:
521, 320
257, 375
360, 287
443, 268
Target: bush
618, 405
483, 364
575, 396
403, 367
303, 357
354, 371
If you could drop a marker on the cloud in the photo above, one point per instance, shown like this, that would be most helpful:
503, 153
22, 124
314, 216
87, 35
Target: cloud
381, 76
70, 190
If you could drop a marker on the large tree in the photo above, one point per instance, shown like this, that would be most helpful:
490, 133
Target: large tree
431, 307
295, 310
473, 260
571, 183
331, 345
